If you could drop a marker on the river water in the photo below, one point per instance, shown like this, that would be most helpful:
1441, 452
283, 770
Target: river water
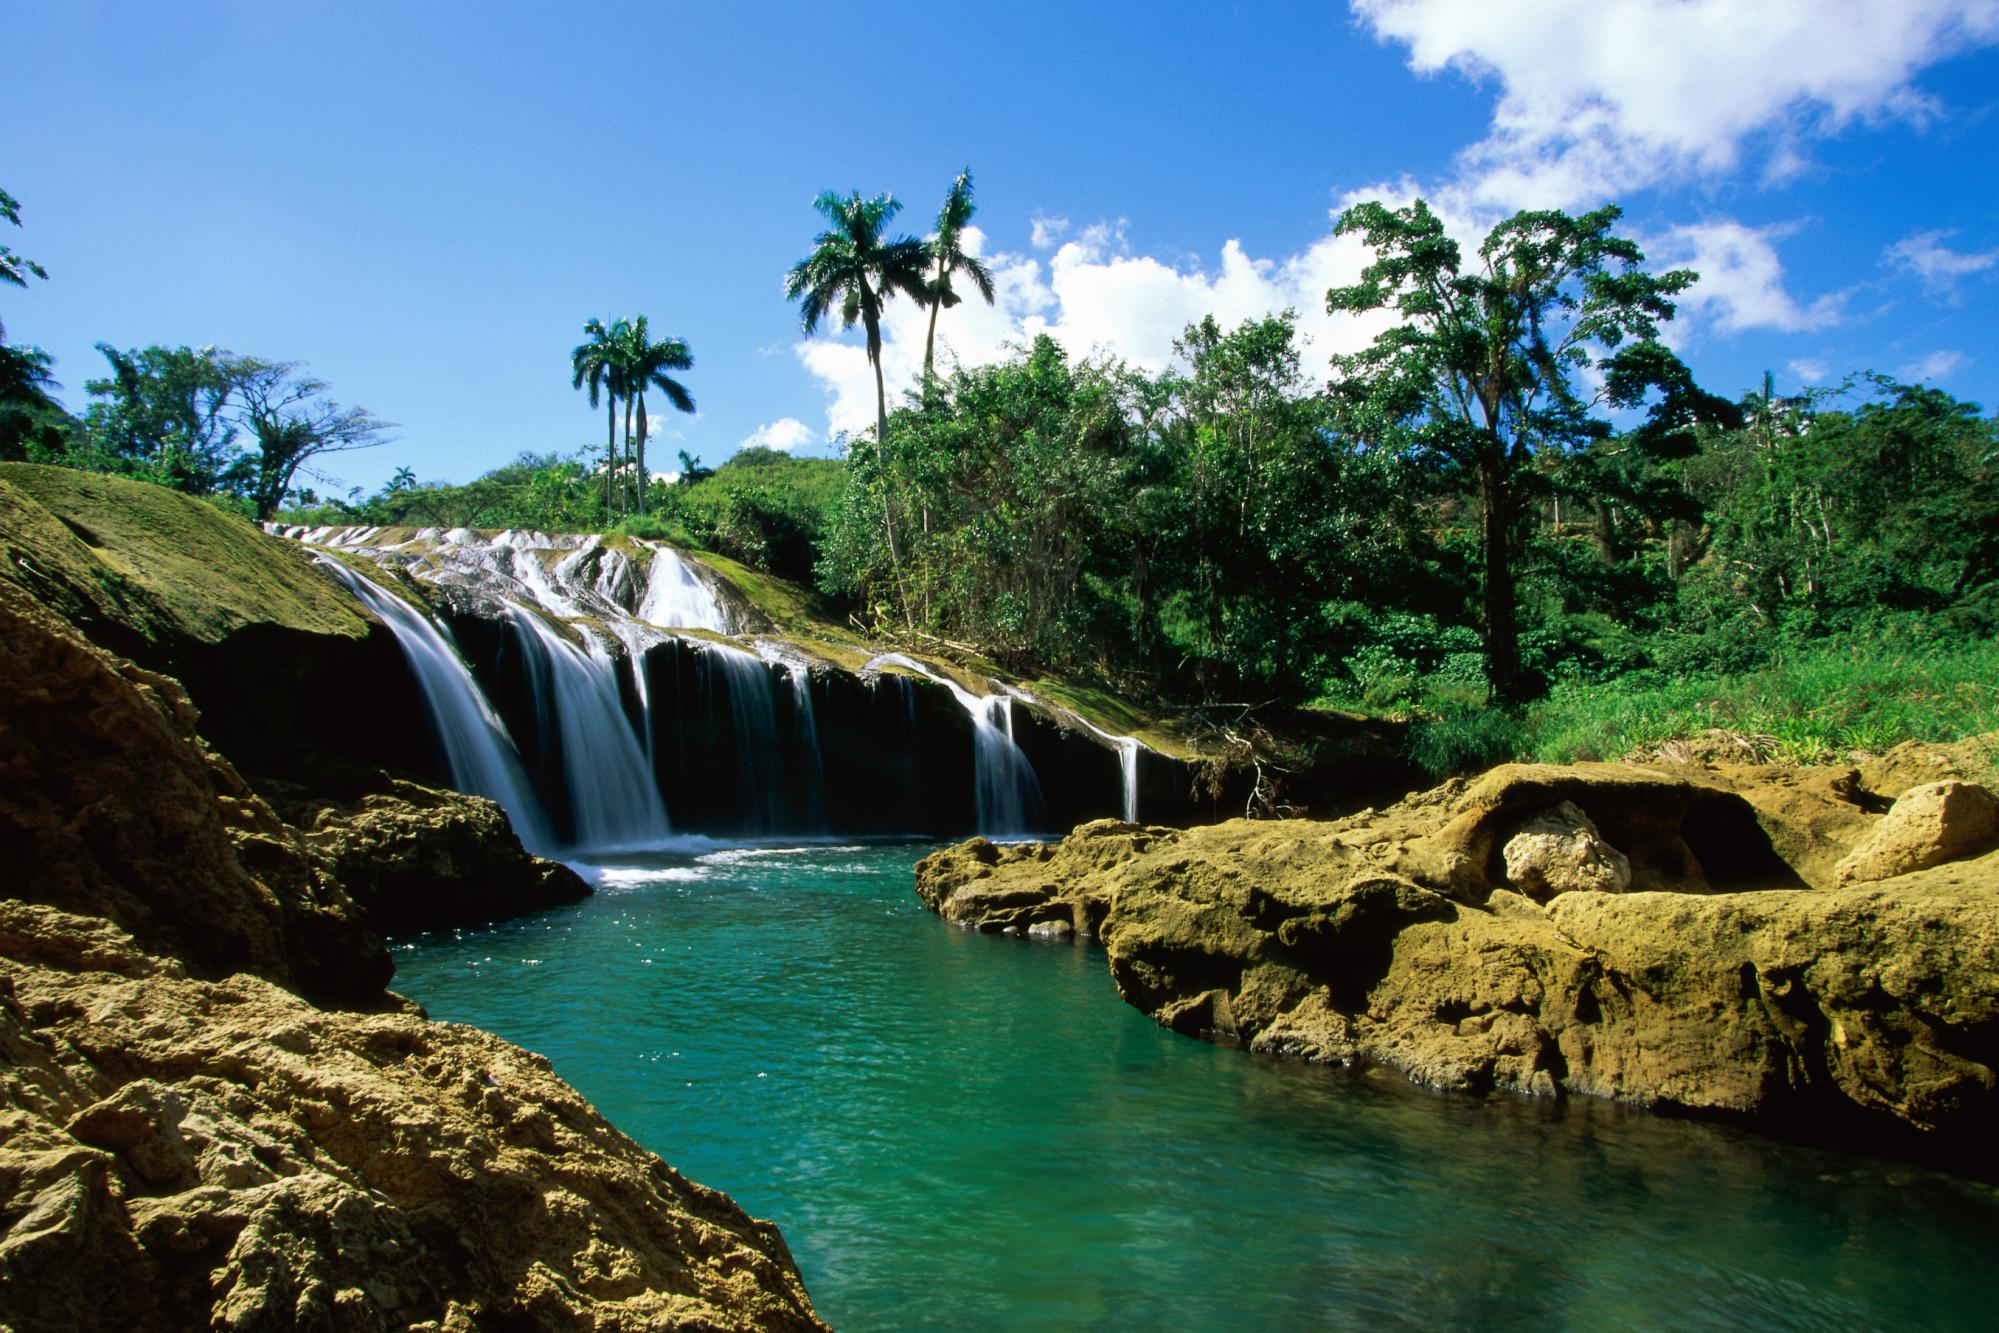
960, 1131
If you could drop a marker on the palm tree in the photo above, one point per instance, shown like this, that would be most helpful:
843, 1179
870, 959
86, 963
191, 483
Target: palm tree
599, 363
646, 363
946, 247
853, 265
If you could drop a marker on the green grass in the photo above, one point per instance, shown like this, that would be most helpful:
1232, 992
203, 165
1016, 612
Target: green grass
160, 563
1816, 705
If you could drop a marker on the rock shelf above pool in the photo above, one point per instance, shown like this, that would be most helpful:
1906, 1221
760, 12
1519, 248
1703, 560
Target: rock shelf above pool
1740, 975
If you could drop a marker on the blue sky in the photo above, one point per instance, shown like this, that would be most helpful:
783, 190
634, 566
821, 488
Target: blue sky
424, 202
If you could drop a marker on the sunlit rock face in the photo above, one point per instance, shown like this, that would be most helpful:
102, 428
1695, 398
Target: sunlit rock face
212, 1111
1675, 937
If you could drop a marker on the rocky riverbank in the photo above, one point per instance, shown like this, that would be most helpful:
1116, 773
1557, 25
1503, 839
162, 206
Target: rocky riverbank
1809, 951
212, 1112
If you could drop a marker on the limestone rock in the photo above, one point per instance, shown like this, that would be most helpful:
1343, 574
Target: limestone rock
112, 806
421, 858
1927, 826
1560, 851
177, 1153
1861, 1013
186, 1141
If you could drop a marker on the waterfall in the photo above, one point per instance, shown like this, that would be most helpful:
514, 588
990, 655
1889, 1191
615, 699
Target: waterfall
676, 598
1006, 794
732, 734
1127, 762
477, 748
811, 785
612, 794
754, 721
1127, 748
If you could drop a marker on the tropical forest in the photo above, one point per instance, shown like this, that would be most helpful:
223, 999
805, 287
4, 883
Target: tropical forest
841, 746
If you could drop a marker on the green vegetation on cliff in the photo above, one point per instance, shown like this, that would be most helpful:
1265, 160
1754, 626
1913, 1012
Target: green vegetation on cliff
160, 563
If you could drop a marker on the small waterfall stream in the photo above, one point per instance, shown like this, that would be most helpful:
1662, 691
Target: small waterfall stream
812, 765
612, 794
480, 753
676, 598
1006, 794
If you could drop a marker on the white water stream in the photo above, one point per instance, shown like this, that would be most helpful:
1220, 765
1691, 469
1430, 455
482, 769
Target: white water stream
480, 753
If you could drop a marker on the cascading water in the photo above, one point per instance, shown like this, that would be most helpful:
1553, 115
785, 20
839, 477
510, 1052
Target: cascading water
735, 734
1006, 794
1127, 762
812, 767
480, 753
676, 598
760, 760
613, 798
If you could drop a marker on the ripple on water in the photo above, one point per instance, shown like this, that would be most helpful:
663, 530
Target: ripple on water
956, 1130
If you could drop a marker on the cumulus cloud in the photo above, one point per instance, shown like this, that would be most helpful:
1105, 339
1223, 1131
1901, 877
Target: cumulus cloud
1047, 231
1809, 370
1601, 97
1937, 365
1096, 298
1741, 283
785, 433
1939, 267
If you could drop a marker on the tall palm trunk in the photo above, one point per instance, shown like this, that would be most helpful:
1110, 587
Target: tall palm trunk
624, 462
874, 329
642, 453
610, 451
930, 342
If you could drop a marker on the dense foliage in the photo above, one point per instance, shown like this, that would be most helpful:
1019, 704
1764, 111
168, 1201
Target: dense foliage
1515, 494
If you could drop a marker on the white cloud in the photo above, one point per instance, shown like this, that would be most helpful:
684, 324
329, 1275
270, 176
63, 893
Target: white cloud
1809, 370
785, 433
664, 423
1937, 365
1047, 231
1095, 297
1741, 283
1925, 255
1601, 97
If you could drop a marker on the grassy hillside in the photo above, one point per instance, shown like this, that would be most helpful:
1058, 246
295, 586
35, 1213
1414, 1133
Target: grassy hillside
160, 563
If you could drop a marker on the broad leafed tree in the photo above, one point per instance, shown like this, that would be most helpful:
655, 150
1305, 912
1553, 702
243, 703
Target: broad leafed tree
1533, 345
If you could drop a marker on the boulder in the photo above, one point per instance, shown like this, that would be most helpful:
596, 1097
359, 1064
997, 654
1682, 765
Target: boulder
1927, 826
422, 858
180, 1153
1560, 851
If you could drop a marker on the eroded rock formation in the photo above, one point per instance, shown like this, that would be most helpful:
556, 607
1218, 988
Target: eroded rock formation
187, 1139
1728, 981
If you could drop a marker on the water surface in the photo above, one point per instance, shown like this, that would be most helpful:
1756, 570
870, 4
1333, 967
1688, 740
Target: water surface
964, 1131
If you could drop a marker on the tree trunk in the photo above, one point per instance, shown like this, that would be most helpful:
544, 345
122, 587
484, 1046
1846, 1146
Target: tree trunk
624, 460
610, 451
1502, 646
642, 454
930, 343
881, 468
